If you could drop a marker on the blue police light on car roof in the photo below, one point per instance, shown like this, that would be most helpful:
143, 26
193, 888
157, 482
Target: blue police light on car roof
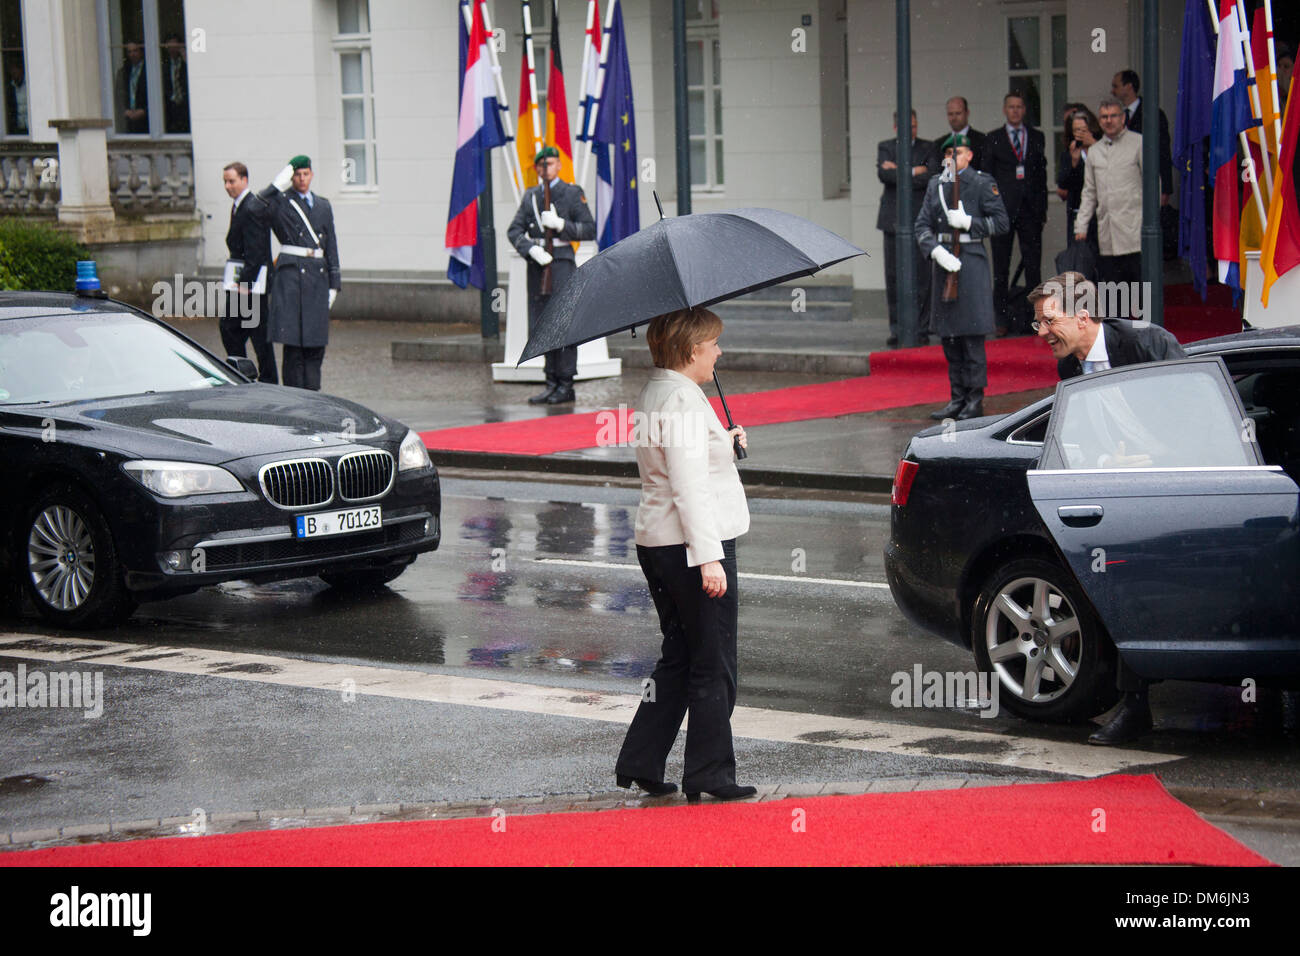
88, 279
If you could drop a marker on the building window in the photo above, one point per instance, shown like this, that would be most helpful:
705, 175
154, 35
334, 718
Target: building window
704, 106
1036, 68
145, 57
357, 88
14, 67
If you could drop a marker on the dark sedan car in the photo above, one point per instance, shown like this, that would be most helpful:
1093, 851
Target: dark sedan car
1150, 511
138, 466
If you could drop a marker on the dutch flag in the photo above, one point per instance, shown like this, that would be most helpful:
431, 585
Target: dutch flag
1230, 115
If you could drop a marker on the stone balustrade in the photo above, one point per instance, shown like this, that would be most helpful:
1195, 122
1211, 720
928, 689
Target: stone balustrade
145, 178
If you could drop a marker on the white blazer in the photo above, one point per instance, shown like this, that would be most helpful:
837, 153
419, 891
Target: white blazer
690, 488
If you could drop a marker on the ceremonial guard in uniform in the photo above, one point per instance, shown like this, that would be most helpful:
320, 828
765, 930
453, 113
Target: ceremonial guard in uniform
534, 227
943, 224
306, 278
248, 274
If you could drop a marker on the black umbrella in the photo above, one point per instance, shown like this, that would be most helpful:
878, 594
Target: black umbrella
695, 260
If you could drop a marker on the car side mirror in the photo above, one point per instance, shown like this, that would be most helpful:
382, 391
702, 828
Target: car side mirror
243, 365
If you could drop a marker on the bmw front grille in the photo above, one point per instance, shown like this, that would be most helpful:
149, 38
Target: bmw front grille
302, 483
365, 474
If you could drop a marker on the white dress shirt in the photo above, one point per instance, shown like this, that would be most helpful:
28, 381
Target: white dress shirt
690, 488
1098, 359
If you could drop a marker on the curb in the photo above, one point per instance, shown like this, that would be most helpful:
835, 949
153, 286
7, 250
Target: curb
598, 468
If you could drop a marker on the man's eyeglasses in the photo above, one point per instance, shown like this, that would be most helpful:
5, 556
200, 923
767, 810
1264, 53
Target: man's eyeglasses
1039, 324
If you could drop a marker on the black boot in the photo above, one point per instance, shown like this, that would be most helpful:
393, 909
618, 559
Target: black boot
973, 407
952, 408
562, 395
541, 398
1131, 721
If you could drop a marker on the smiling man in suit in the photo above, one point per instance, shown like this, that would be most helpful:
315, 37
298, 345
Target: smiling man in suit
924, 165
1016, 156
249, 241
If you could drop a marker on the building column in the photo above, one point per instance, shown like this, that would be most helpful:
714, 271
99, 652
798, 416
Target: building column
83, 171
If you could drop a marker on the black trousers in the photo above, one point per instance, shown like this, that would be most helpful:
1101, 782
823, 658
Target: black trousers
1029, 230
1128, 269
234, 335
922, 265
968, 370
302, 366
696, 673
561, 366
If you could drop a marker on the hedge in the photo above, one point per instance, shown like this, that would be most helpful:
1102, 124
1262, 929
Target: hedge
36, 256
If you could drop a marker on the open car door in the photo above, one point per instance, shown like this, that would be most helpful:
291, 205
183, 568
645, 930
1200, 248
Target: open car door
1152, 485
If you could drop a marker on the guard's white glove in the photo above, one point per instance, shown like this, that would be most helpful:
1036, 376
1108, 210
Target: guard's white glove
283, 179
334, 294
958, 219
551, 220
540, 255
946, 259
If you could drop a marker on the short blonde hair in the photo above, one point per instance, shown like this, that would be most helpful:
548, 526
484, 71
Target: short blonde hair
672, 337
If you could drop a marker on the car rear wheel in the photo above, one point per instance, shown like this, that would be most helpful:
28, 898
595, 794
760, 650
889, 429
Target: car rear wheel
365, 579
1035, 632
69, 564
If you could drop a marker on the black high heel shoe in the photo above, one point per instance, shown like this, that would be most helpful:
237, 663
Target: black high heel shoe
732, 791
651, 788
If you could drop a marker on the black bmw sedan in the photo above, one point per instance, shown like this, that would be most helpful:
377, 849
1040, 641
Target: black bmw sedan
1149, 512
138, 466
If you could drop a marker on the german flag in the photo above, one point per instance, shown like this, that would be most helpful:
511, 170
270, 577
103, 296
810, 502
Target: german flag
557, 104
526, 138
1281, 248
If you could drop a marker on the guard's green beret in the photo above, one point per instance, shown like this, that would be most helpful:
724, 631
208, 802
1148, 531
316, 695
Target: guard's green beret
954, 140
546, 153
300, 162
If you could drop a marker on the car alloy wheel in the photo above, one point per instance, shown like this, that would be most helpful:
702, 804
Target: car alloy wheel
1035, 632
1032, 636
61, 557
71, 569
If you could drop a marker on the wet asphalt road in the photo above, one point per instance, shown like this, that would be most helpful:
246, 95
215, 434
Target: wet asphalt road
536, 583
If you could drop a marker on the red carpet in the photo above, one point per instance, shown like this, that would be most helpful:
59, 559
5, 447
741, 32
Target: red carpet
898, 379
1053, 823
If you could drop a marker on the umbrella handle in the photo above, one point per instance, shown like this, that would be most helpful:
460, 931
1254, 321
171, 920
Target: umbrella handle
741, 454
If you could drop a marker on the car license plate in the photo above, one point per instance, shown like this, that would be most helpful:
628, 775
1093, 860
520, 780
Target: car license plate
340, 522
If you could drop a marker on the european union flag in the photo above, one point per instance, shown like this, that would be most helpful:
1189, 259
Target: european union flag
617, 213
1191, 130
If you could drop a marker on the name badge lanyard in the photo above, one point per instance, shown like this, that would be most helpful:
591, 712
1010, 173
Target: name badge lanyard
1018, 146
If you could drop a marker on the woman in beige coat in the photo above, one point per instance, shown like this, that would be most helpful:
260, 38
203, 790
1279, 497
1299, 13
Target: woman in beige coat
692, 510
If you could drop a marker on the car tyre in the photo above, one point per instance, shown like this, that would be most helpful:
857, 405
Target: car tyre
364, 579
1035, 632
68, 563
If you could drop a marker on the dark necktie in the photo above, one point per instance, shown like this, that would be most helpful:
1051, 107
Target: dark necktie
1020, 151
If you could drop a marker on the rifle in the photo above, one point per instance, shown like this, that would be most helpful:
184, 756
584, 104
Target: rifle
950, 286
548, 238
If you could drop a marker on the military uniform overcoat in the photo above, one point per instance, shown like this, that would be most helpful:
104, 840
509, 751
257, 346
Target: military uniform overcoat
300, 309
570, 204
972, 313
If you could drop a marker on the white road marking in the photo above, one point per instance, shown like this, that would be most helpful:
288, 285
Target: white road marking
795, 578
875, 736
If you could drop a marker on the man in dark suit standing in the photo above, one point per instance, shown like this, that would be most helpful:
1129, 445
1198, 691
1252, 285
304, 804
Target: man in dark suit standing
1124, 87
176, 87
132, 90
1017, 158
568, 218
924, 165
249, 242
959, 123
1082, 344
307, 277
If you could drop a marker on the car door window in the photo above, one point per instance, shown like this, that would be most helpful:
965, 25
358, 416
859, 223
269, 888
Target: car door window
1171, 415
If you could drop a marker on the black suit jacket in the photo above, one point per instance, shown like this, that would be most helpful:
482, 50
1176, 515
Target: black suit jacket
1126, 345
923, 154
1166, 151
249, 237
1025, 199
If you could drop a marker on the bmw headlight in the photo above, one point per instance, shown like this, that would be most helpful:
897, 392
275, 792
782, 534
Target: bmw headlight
413, 454
178, 479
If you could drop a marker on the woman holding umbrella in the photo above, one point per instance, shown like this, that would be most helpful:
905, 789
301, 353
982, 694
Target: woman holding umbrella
692, 510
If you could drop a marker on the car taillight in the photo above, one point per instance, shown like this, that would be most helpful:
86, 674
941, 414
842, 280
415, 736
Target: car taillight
903, 477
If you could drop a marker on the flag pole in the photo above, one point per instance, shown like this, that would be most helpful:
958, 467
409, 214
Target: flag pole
1272, 67
600, 87
1241, 137
582, 90
513, 172
538, 130
1256, 108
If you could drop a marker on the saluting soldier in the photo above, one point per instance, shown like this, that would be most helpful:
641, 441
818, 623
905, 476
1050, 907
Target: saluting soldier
943, 220
306, 279
568, 218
